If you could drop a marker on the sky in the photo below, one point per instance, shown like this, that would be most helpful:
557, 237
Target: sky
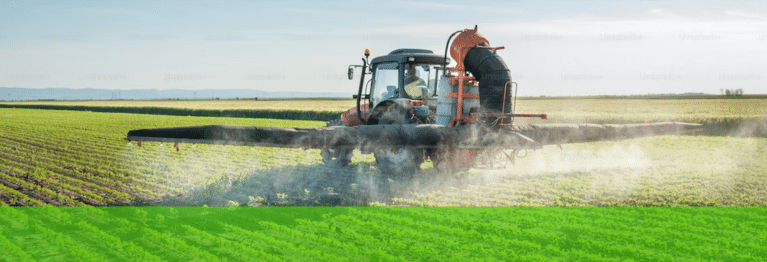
552, 48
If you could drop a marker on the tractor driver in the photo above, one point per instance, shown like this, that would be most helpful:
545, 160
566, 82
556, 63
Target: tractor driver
414, 85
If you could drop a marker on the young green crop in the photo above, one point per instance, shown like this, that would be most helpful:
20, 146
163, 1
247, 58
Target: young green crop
223, 247
389, 233
109, 246
12, 252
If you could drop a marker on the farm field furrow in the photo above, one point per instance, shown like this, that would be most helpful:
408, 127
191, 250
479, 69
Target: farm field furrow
118, 190
10, 196
95, 164
90, 172
40, 174
73, 190
44, 193
75, 151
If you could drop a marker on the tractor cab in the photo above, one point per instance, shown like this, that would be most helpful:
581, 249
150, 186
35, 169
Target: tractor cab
404, 73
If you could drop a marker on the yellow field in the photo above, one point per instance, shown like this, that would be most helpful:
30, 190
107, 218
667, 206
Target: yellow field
267, 104
644, 109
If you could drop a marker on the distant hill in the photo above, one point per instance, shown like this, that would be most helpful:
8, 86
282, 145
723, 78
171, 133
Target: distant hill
19, 93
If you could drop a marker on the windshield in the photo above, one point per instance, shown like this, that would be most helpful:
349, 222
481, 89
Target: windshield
418, 78
385, 82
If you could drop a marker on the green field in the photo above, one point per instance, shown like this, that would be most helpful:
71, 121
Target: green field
65, 158
383, 234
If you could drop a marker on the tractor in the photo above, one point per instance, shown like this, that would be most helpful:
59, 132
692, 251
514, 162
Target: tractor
415, 86
414, 107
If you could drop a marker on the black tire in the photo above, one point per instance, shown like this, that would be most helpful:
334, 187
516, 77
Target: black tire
397, 163
333, 156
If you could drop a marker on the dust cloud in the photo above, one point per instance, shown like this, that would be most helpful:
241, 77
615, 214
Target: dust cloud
662, 170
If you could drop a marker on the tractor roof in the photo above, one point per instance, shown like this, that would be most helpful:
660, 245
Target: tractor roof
404, 55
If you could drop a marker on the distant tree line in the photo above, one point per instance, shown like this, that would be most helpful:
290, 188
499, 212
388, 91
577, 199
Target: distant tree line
732, 91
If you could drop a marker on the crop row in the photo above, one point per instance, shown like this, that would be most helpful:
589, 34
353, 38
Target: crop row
14, 198
10, 178
75, 157
63, 184
61, 164
98, 189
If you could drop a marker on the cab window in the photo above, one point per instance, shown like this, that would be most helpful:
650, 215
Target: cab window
385, 82
417, 80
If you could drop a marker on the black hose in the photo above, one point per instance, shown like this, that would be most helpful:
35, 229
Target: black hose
493, 74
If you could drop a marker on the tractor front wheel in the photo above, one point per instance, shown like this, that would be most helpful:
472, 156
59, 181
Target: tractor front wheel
398, 163
336, 157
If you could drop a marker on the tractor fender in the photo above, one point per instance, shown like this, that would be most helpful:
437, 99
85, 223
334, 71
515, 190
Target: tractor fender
350, 116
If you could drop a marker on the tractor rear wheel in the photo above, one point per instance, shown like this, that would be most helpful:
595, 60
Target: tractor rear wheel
336, 157
398, 163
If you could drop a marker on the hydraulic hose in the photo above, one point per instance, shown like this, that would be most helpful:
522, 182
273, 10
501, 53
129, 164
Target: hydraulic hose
447, 45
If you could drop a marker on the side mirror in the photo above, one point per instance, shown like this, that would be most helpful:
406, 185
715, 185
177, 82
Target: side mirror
351, 73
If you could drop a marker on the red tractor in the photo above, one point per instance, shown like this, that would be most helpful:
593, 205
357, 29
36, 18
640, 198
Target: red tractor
415, 86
